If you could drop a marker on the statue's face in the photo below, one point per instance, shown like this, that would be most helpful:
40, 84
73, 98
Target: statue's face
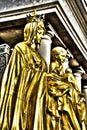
39, 33
33, 33
59, 54
62, 57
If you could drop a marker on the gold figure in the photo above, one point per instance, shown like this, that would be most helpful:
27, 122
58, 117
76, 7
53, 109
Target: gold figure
31, 98
65, 103
23, 85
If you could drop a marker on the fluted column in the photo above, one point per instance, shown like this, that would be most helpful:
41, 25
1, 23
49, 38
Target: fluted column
45, 47
84, 87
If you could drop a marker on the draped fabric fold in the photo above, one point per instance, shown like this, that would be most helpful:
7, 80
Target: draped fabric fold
66, 105
23, 91
32, 99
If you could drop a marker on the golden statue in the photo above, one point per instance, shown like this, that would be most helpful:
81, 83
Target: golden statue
23, 85
31, 98
66, 108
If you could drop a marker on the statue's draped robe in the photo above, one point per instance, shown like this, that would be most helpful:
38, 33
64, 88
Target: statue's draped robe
66, 109
30, 100
23, 91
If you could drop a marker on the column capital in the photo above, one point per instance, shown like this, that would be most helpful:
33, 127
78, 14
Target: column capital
75, 66
50, 33
47, 37
73, 62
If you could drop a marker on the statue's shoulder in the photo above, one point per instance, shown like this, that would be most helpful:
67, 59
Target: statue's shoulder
22, 47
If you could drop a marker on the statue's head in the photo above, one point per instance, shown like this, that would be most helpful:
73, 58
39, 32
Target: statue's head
58, 54
34, 31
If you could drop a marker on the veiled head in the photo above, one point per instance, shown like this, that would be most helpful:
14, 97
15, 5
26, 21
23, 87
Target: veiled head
33, 32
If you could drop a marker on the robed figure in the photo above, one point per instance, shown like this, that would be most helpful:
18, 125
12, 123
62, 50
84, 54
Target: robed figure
66, 108
31, 98
23, 90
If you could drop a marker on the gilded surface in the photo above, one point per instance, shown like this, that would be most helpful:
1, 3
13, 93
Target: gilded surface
31, 98
23, 91
65, 103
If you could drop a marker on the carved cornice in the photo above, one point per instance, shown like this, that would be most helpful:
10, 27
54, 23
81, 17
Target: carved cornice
73, 27
78, 15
